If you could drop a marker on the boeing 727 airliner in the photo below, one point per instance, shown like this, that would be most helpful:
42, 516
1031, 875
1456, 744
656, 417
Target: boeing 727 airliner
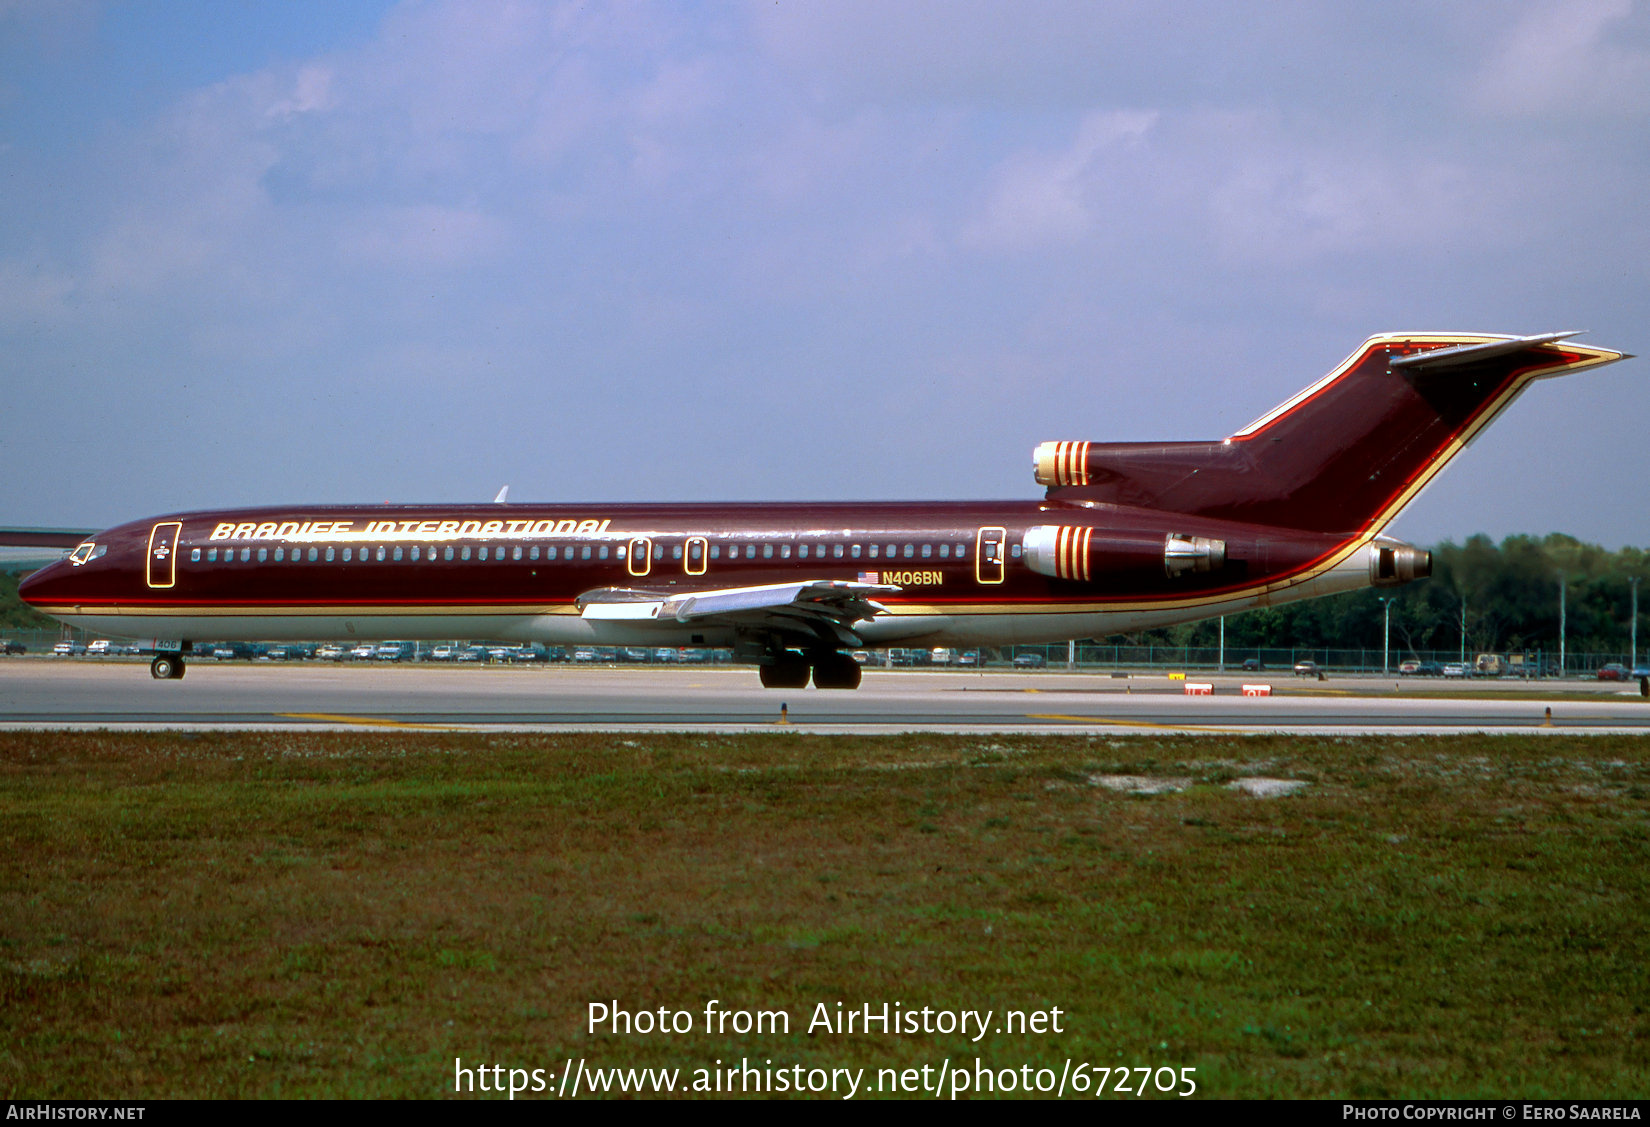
1126, 536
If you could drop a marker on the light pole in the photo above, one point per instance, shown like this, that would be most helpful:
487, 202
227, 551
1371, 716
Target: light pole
1386, 635
1633, 662
1561, 623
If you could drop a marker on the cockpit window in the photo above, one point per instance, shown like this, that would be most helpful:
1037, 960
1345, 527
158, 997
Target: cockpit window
81, 554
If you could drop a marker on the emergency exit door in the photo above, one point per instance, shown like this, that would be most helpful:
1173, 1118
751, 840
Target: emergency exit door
639, 557
991, 545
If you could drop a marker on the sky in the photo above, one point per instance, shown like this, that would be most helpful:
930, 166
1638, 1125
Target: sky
300, 251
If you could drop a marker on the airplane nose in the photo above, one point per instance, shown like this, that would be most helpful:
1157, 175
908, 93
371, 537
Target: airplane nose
32, 589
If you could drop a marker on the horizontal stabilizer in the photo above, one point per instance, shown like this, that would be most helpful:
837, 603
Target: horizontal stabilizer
1438, 358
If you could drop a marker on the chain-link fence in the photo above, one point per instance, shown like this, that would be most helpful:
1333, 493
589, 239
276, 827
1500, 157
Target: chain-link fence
1089, 656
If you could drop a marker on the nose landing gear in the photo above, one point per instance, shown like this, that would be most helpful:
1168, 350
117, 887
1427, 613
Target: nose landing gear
167, 667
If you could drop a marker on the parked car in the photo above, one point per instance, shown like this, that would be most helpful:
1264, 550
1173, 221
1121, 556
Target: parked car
9, 648
1253, 665
1615, 671
363, 652
1029, 661
1308, 669
1411, 668
99, 648
330, 652
68, 649
1455, 669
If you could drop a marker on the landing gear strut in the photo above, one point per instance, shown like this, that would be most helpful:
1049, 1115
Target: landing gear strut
167, 667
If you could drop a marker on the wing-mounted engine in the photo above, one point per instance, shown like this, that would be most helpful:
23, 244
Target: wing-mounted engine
1087, 554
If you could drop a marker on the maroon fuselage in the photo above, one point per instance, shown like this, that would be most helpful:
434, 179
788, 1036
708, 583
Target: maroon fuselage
931, 551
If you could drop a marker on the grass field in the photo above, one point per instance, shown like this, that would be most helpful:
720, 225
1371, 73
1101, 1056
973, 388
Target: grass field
288, 914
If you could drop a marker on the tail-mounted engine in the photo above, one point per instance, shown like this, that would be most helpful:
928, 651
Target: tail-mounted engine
1061, 463
1064, 551
1392, 563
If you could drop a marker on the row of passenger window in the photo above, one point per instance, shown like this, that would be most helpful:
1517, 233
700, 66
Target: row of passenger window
383, 553
695, 552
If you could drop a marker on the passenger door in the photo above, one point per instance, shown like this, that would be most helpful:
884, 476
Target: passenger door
163, 554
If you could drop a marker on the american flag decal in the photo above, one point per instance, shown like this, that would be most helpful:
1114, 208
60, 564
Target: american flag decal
867, 577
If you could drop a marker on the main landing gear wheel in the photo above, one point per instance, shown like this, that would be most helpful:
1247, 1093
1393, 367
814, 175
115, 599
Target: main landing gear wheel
789, 672
166, 667
835, 671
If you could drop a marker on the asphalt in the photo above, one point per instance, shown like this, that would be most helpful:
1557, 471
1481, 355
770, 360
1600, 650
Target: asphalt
46, 693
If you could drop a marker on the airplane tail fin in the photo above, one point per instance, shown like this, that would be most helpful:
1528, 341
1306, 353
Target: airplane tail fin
1344, 455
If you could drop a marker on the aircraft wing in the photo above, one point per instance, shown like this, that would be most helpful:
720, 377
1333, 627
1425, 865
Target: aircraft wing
817, 609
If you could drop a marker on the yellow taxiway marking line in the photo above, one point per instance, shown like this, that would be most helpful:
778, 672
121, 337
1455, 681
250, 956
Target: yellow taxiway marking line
1127, 723
367, 721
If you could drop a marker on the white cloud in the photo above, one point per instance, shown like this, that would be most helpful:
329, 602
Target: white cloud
311, 92
1274, 198
33, 294
1572, 56
423, 235
1041, 198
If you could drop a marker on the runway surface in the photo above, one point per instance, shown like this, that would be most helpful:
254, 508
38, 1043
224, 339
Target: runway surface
85, 694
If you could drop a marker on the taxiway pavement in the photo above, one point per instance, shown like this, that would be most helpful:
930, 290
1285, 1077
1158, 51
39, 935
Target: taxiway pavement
80, 694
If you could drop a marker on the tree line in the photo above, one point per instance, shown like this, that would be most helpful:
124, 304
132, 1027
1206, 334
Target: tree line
1510, 592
